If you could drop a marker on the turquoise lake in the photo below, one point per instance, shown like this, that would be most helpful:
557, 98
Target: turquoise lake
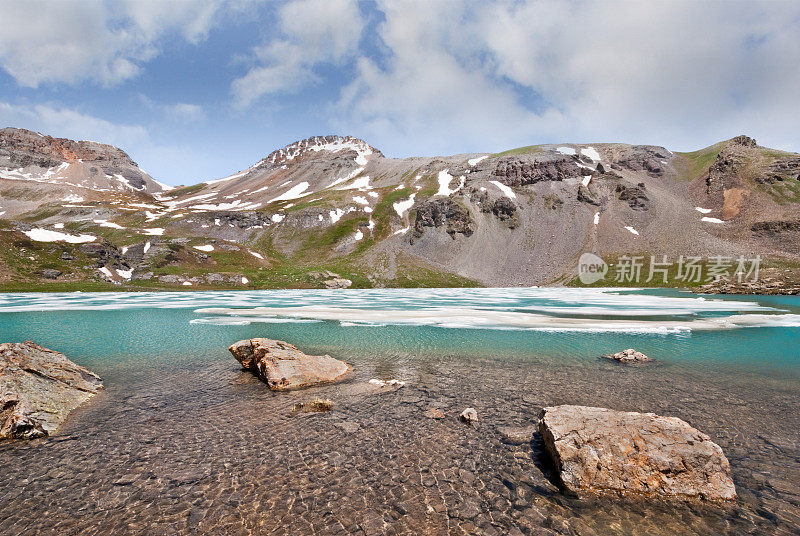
748, 333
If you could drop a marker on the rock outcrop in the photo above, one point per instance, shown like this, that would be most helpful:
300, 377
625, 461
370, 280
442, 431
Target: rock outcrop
38, 389
602, 450
442, 212
647, 158
283, 367
635, 196
519, 171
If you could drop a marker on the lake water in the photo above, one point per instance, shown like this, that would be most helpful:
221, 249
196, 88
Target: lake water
182, 441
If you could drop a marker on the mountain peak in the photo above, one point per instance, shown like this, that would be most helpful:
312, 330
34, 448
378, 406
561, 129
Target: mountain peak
744, 141
330, 143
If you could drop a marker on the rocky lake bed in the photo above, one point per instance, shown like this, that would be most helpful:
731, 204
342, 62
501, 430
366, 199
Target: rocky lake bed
183, 440
211, 450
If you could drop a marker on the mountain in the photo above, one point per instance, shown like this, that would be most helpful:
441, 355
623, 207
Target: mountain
329, 208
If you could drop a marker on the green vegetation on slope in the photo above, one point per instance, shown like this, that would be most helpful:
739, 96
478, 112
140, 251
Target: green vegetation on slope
694, 165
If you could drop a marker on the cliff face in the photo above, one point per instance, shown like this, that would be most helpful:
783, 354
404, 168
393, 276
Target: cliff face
26, 155
332, 204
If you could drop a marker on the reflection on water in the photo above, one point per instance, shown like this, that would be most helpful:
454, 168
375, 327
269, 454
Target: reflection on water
181, 441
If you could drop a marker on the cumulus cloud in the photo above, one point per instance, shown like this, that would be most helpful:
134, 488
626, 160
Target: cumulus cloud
459, 76
107, 42
314, 32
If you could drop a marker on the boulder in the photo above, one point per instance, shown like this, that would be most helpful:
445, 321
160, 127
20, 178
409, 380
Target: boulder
434, 413
628, 356
469, 416
338, 282
602, 450
38, 389
283, 367
51, 273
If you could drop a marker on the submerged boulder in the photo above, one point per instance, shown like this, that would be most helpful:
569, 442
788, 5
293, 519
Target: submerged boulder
600, 450
283, 367
38, 389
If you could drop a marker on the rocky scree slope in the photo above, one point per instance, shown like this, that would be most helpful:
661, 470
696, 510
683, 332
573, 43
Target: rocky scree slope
336, 206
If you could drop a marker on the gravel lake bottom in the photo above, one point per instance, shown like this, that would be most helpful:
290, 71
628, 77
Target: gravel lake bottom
182, 441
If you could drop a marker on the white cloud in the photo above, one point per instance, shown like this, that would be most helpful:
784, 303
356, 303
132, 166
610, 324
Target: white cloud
51, 41
314, 32
482, 76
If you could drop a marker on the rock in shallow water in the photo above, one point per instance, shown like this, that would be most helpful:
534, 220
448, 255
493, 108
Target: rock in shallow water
38, 389
629, 356
599, 449
283, 367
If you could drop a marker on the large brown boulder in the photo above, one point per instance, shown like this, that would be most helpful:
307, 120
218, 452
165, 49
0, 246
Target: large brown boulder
284, 367
599, 449
38, 389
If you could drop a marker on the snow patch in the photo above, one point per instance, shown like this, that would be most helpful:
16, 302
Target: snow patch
256, 255
445, 179
155, 231
361, 183
586, 180
508, 192
235, 205
359, 235
231, 177
596, 218
46, 235
277, 218
473, 161
702, 210
73, 198
591, 152
146, 247
566, 150
106, 272
336, 215
245, 280
126, 274
632, 230
207, 247
360, 200
110, 224
404, 230
711, 220
401, 207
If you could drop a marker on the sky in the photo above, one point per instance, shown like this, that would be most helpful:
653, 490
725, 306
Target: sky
198, 89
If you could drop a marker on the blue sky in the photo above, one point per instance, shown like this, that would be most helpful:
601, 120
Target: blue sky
198, 89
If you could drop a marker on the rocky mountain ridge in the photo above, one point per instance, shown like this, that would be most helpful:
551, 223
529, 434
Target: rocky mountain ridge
336, 205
